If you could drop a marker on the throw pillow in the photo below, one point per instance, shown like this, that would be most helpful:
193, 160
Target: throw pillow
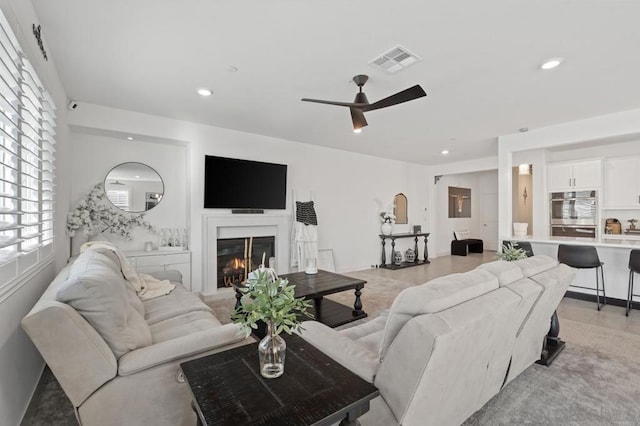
98, 291
462, 235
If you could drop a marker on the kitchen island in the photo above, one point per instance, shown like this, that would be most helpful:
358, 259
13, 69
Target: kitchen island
613, 250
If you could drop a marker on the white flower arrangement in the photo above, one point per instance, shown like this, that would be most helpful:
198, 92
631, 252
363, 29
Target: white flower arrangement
387, 216
94, 215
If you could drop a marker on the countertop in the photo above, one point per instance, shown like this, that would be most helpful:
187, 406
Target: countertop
615, 241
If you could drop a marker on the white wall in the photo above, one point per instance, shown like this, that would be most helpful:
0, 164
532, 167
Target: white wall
480, 183
20, 363
93, 156
349, 188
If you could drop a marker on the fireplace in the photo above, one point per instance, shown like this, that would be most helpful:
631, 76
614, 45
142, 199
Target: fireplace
238, 256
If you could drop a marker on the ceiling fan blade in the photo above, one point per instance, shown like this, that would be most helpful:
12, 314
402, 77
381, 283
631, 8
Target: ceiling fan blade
407, 95
357, 117
345, 104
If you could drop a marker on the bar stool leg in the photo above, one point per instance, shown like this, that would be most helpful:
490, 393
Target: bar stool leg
597, 288
630, 293
604, 292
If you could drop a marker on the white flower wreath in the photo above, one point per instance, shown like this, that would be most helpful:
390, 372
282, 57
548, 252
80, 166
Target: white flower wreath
94, 215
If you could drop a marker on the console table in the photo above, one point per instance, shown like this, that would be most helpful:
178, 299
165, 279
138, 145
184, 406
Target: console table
404, 264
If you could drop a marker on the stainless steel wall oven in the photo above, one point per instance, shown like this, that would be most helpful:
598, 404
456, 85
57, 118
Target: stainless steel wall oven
573, 214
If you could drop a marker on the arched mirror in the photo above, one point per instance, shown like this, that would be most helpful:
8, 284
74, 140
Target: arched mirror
400, 209
134, 187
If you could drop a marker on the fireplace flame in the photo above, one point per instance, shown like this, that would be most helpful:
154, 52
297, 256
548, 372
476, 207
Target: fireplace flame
233, 271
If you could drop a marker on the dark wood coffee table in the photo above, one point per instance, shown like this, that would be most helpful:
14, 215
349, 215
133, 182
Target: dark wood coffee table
227, 389
316, 286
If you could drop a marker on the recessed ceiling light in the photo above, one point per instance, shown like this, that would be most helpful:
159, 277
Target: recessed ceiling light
551, 63
523, 129
204, 92
137, 177
444, 152
129, 138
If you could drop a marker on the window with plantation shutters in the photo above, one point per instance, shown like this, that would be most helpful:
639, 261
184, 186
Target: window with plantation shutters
119, 198
27, 140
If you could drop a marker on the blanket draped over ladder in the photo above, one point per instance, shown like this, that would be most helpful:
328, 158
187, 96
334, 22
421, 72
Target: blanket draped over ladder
304, 244
147, 287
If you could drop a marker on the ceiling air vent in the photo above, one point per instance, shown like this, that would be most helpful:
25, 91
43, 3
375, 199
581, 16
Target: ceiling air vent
395, 60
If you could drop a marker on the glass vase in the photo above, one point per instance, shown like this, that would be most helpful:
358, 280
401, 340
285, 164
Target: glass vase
272, 350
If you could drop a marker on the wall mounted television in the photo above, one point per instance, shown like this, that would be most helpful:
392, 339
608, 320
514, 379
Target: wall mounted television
231, 183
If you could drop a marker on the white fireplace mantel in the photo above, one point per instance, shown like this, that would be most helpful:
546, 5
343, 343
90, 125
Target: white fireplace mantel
225, 225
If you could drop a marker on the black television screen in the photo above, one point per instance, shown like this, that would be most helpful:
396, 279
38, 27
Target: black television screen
231, 183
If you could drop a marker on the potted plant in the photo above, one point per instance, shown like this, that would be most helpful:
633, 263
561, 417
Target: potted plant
511, 253
270, 300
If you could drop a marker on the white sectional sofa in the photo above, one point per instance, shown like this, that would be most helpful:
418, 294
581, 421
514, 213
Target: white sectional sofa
116, 357
448, 346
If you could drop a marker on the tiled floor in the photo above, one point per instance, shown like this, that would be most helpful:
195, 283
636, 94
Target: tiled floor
610, 316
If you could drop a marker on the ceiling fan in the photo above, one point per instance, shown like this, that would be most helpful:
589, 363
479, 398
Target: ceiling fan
361, 104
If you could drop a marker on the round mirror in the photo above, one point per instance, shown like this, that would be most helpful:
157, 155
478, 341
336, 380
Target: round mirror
134, 187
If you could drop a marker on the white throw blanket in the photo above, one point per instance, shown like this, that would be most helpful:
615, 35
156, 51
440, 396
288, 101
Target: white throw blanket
147, 287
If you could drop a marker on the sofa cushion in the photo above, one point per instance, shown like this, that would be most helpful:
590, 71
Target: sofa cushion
132, 296
181, 325
178, 302
506, 272
435, 296
536, 264
98, 291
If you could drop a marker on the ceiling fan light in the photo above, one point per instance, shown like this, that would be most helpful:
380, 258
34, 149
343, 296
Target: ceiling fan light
551, 63
358, 130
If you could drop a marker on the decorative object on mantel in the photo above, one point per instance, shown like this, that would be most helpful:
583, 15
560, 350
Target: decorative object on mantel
632, 226
270, 300
417, 229
173, 239
94, 215
388, 219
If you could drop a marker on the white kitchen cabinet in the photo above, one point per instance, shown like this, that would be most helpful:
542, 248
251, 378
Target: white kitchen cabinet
622, 183
580, 175
155, 261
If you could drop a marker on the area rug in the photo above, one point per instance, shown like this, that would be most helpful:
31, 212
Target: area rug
594, 381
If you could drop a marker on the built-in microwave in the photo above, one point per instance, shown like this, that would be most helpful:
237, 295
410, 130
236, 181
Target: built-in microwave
573, 214
573, 208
